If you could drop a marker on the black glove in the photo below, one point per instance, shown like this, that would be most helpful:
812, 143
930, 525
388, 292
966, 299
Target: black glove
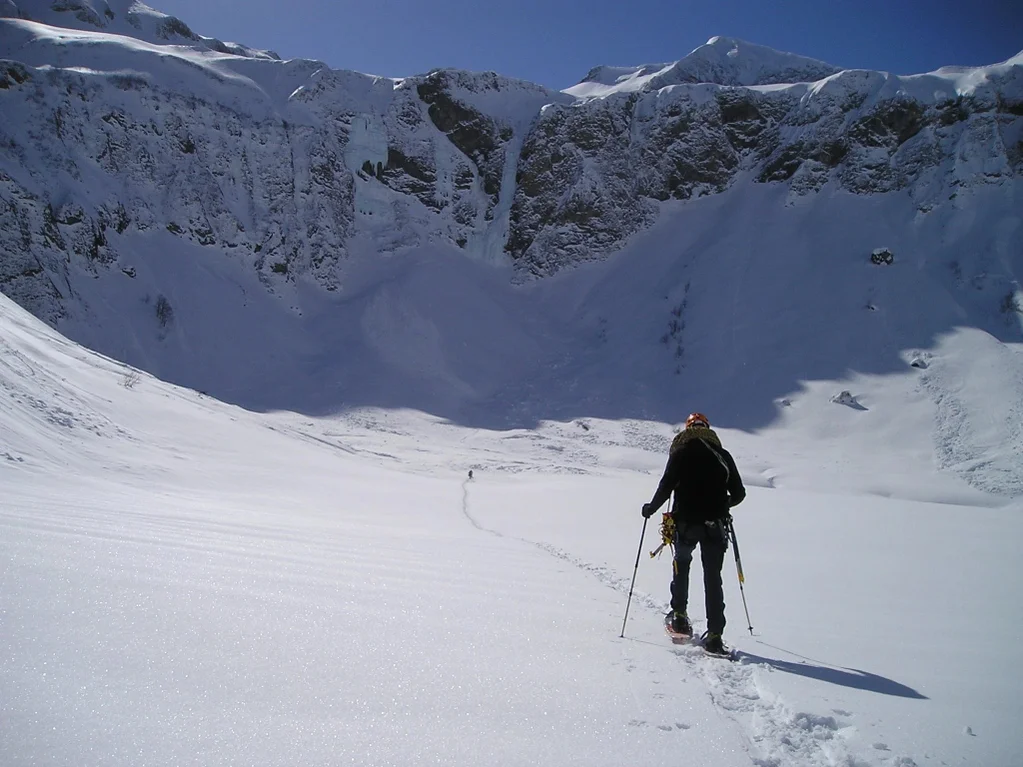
648, 510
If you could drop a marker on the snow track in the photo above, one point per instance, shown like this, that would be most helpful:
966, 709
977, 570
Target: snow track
777, 735
780, 736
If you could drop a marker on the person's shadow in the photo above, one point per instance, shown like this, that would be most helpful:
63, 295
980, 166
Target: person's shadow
847, 677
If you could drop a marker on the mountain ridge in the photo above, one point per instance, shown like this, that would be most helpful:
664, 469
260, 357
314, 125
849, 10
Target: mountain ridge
129, 18
720, 61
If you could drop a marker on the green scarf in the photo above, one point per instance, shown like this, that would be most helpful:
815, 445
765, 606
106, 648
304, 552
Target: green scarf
694, 432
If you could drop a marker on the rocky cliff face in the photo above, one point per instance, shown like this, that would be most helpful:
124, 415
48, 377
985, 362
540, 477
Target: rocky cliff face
591, 172
291, 167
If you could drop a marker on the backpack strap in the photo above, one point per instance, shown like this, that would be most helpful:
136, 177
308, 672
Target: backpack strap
721, 460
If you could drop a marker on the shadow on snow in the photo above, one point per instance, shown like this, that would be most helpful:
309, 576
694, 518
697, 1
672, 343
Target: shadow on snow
845, 677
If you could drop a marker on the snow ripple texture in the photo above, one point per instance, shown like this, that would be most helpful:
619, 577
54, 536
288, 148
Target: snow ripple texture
777, 735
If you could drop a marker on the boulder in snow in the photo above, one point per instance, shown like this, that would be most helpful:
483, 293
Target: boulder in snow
882, 256
846, 398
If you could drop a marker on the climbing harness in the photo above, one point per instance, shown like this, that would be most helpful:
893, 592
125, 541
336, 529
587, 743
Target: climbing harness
667, 534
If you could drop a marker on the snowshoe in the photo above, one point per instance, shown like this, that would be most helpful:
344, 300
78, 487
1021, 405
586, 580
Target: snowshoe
713, 645
678, 627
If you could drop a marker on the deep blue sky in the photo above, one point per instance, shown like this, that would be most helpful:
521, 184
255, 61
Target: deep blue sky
555, 42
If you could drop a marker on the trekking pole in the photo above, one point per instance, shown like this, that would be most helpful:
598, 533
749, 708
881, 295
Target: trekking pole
738, 568
634, 571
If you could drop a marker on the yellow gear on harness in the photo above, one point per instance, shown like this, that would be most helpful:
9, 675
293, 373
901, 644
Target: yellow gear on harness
667, 534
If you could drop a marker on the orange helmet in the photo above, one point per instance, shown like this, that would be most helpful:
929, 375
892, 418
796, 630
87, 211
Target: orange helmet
697, 419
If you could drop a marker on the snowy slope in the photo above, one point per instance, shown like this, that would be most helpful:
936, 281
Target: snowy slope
186, 582
687, 318
128, 18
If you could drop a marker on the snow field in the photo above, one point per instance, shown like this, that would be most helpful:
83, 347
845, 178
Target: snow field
198, 584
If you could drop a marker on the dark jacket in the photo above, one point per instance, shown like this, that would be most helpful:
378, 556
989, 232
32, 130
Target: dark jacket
704, 479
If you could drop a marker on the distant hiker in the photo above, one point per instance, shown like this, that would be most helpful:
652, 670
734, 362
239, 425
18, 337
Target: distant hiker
470, 473
706, 483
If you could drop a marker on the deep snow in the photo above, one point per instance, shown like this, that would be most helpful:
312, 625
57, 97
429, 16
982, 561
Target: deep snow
186, 582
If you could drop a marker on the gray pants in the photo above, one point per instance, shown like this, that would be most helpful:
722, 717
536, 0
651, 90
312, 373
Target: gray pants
713, 543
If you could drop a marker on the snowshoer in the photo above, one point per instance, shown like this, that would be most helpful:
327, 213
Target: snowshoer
706, 483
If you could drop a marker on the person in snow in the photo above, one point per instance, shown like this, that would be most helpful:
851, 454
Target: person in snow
706, 483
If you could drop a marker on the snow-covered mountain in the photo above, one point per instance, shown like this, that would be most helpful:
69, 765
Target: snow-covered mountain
722, 61
731, 113
124, 120
288, 166
184, 134
399, 280
128, 18
285, 235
